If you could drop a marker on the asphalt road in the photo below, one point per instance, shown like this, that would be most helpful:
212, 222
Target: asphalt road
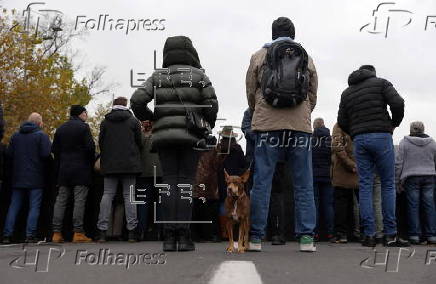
121, 262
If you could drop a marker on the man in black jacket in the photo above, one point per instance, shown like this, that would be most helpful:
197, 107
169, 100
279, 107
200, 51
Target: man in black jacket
74, 152
120, 143
322, 184
364, 116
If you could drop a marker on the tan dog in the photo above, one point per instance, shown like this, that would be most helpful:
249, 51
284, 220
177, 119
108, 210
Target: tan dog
237, 206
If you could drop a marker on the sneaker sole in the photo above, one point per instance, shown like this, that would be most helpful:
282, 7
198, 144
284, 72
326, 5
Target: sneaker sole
308, 250
254, 250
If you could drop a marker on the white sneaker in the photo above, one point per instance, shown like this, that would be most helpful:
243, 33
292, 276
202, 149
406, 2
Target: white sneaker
306, 244
255, 246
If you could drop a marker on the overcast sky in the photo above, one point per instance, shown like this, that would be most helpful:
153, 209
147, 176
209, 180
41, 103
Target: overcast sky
227, 33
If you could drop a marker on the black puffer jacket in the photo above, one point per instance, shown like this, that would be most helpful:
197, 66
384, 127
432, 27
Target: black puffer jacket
184, 84
363, 107
321, 154
120, 143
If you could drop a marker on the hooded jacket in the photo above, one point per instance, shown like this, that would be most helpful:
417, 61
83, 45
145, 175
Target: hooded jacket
363, 106
321, 154
120, 143
416, 157
183, 83
29, 149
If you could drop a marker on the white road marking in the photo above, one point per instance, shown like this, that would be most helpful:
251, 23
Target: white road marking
240, 272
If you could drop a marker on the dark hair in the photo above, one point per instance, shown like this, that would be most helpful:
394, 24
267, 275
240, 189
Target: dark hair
120, 101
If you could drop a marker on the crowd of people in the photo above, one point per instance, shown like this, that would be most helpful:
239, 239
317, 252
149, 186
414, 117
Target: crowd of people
161, 172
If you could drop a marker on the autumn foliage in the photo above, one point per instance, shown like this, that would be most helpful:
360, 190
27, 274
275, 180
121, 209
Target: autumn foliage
35, 79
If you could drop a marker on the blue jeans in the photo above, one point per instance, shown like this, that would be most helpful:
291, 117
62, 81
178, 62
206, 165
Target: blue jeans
375, 151
35, 197
419, 189
324, 200
295, 148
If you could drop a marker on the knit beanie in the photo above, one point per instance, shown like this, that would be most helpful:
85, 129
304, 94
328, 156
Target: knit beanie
76, 110
283, 27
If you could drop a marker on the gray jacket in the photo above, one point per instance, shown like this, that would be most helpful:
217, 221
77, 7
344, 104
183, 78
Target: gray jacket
416, 157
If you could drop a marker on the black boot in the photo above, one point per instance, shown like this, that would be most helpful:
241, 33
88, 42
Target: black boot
369, 242
31, 240
215, 239
169, 240
277, 240
132, 237
7, 240
185, 241
101, 236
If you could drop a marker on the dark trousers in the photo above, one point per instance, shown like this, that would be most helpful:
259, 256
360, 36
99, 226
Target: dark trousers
344, 209
143, 194
277, 209
324, 201
147, 193
80, 192
207, 211
179, 165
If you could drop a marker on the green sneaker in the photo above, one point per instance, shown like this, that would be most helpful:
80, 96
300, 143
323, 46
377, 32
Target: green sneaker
306, 244
255, 245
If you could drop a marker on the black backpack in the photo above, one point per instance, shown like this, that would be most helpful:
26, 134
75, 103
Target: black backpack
285, 80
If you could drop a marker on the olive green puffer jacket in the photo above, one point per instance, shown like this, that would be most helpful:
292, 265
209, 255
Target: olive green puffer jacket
181, 85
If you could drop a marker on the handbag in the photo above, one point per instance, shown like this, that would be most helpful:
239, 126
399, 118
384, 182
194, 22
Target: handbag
195, 122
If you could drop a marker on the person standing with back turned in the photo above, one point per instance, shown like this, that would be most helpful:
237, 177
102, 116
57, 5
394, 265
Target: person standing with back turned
281, 87
182, 85
364, 116
74, 151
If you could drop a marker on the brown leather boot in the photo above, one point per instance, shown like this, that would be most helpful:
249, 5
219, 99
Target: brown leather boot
81, 238
57, 237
